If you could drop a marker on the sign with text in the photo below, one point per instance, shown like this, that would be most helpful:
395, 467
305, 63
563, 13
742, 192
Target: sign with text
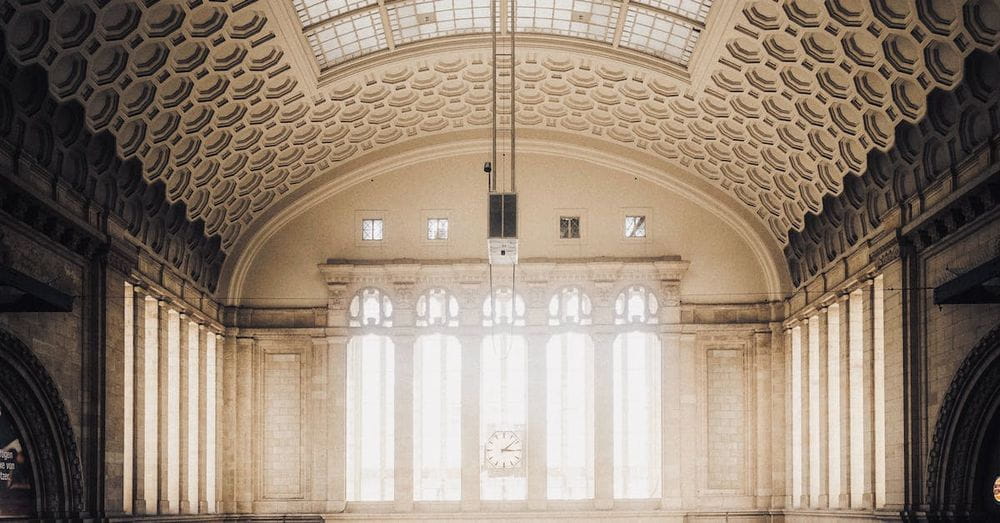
17, 495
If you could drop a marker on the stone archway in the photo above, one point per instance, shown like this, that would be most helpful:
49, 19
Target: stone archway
37, 413
967, 440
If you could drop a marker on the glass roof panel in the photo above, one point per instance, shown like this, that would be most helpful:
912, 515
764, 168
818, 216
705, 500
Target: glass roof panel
693, 9
591, 19
315, 11
412, 20
347, 37
659, 34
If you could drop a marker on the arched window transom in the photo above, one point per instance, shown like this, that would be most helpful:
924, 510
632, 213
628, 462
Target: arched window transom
636, 305
569, 306
437, 308
503, 308
370, 307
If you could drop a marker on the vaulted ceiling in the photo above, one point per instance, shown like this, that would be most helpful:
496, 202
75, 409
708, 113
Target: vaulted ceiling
232, 105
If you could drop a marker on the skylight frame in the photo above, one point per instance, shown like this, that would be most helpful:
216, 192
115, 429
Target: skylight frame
666, 29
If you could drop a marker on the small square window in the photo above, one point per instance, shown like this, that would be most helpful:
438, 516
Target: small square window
437, 228
371, 229
569, 227
635, 226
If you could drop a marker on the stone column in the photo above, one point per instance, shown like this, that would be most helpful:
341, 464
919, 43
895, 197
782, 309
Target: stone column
163, 409
118, 388
604, 450
216, 411
204, 392
403, 432
765, 423
229, 435
184, 366
141, 415
246, 458
791, 394
844, 389
535, 444
671, 427
471, 355
779, 435
807, 437
689, 419
818, 410
337, 419
868, 313
318, 428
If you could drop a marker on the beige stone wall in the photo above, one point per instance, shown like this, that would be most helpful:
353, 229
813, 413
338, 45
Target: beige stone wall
724, 267
57, 339
953, 330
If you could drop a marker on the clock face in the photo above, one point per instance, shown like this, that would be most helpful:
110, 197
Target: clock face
504, 450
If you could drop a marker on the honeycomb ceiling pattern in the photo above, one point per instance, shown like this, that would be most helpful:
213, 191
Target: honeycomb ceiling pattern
204, 96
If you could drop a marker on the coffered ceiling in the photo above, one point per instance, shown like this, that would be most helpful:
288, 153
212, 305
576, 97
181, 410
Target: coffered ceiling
233, 104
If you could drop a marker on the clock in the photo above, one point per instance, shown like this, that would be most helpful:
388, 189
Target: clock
504, 450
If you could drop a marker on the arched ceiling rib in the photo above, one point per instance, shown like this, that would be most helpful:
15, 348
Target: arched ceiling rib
205, 96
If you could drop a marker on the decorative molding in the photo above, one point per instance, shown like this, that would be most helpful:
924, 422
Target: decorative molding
778, 124
962, 418
41, 415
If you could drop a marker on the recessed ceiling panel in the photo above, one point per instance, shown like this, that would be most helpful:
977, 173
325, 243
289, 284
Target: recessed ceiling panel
591, 19
659, 34
347, 37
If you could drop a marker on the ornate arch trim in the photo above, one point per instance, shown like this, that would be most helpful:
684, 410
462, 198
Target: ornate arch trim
965, 414
41, 416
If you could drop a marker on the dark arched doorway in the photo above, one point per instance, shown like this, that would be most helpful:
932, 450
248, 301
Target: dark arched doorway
964, 464
37, 449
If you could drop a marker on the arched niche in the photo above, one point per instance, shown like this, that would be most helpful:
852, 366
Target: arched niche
964, 463
37, 417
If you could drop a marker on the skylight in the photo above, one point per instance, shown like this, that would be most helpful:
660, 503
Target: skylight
339, 30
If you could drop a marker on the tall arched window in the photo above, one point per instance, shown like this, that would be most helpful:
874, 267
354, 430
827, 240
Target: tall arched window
502, 394
569, 367
370, 405
437, 401
636, 403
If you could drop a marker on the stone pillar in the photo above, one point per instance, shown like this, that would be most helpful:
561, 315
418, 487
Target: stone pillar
671, 427
471, 355
246, 459
896, 403
184, 366
163, 410
791, 394
204, 392
318, 428
779, 417
140, 418
818, 410
403, 432
337, 423
118, 388
216, 411
689, 418
228, 419
844, 389
803, 399
604, 450
868, 367
535, 444
765, 423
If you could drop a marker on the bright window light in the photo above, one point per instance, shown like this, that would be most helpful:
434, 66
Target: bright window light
635, 226
659, 34
591, 19
413, 20
347, 37
693, 9
315, 11
437, 228
371, 229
